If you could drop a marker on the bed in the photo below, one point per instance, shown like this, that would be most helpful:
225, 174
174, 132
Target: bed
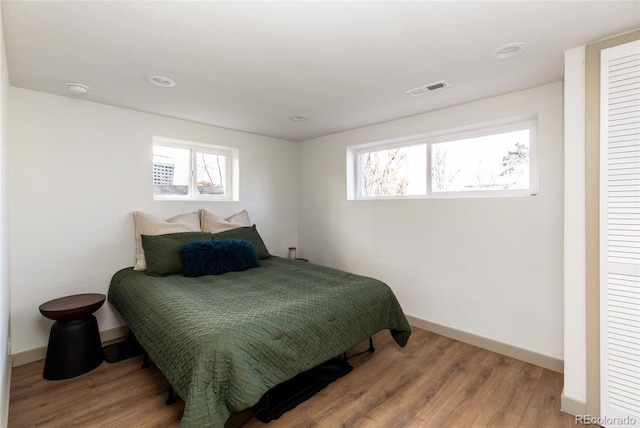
222, 341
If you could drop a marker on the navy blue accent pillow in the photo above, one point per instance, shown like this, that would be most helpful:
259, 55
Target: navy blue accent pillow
217, 257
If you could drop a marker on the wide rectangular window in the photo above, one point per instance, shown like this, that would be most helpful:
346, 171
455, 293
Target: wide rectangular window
490, 161
184, 170
487, 163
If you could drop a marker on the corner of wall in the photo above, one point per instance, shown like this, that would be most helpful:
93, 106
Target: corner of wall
572, 406
574, 227
5, 294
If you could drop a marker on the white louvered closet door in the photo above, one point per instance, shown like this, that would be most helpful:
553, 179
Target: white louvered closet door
620, 236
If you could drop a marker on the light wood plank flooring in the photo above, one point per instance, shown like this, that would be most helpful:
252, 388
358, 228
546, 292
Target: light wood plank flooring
432, 382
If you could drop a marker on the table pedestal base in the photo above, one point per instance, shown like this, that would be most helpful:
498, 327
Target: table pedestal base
74, 348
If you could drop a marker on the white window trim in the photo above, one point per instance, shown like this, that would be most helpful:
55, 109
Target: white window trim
232, 170
354, 178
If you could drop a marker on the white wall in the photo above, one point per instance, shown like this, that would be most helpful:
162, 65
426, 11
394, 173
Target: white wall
76, 172
492, 267
5, 295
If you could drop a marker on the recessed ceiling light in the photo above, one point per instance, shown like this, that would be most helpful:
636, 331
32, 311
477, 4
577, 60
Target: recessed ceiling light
299, 118
161, 81
77, 88
509, 50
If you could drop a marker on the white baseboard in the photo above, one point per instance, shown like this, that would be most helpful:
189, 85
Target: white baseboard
572, 406
526, 355
545, 361
37, 354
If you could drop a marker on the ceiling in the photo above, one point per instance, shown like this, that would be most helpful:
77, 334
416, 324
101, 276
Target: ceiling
250, 66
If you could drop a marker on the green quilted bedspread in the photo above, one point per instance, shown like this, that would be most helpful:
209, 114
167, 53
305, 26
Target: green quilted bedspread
223, 341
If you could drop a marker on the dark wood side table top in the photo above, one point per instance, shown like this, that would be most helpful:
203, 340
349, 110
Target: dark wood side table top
72, 307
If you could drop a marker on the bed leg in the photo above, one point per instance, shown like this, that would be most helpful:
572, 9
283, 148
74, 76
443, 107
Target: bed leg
345, 357
171, 398
268, 406
146, 361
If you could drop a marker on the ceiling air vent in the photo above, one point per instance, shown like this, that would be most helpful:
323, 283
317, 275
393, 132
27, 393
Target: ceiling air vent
431, 87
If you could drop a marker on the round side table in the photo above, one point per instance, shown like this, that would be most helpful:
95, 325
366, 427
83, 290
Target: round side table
74, 342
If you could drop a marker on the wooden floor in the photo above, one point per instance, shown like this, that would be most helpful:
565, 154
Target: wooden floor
432, 382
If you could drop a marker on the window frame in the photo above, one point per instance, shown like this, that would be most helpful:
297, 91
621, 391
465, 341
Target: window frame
231, 174
355, 168
532, 190
359, 179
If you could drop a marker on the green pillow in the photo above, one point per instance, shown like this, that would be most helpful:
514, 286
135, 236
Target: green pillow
247, 234
162, 252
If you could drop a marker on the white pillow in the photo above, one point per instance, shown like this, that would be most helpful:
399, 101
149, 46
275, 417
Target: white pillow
213, 224
147, 224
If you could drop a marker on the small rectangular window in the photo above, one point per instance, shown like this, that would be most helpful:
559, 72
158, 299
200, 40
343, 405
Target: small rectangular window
394, 171
171, 170
211, 173
489, 161
183, 170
